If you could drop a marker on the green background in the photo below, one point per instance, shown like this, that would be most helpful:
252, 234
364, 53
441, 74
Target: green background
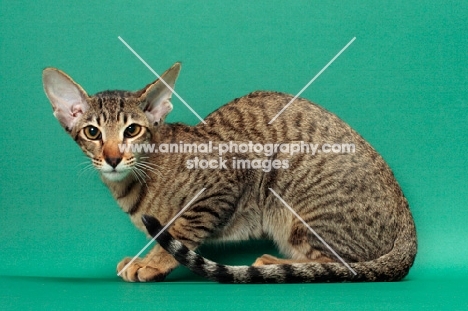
402, 84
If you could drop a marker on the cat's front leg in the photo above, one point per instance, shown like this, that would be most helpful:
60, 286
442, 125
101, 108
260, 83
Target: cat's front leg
192, 228
157, 264
154, 267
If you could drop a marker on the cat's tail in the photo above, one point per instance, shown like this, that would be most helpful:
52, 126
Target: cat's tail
392, 266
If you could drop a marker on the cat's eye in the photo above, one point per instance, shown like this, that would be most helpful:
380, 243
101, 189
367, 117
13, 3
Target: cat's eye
92, 132
132, 130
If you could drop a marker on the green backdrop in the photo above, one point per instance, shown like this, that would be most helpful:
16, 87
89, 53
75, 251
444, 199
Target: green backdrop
402, 84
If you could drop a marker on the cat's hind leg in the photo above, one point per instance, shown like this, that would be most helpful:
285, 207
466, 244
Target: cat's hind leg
296, 243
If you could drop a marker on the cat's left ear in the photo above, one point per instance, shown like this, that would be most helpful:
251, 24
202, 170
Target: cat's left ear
156, 98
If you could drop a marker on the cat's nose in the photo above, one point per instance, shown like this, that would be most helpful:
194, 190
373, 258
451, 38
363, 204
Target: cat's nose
113, 161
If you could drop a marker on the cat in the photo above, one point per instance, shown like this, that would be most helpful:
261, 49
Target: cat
351, 200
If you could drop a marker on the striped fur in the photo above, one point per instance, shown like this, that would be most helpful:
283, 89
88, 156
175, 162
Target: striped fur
351, 200
389, 267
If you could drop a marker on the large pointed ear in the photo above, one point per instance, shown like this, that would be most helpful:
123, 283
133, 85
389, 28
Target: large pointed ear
68, 99
156, 97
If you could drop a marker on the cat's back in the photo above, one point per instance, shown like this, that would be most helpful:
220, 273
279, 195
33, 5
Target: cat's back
257, 117
355, 189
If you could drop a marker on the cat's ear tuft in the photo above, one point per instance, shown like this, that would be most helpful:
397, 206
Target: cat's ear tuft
156, 98
68, 99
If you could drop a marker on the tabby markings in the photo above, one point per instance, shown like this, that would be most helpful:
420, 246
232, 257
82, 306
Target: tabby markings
162, 230
313, 231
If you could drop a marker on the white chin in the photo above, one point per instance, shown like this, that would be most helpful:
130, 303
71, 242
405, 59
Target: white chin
114, 176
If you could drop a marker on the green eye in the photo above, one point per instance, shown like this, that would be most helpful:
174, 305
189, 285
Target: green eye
92, 132
132, 130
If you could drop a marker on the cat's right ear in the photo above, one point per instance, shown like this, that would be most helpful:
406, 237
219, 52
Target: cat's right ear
68, 99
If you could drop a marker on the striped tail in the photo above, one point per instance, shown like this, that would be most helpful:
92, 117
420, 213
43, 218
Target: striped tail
393, 266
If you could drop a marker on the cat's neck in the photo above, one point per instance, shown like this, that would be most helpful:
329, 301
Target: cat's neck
125, 191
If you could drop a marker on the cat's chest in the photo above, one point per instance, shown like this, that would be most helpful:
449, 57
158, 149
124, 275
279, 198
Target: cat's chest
148, 199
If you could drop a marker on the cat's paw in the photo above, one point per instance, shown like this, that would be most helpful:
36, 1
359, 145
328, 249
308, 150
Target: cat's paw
140, 271
265, 260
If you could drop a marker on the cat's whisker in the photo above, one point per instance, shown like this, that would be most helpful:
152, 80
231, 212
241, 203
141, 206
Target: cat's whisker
142, 172
149, 168
139, 176
83, 172
151, 165
136, 176
87, 162
86, 169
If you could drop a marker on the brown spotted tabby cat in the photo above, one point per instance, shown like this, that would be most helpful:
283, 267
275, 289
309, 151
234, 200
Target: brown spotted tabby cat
351, 200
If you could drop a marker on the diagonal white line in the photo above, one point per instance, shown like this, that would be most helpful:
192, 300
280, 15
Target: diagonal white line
159, 77
313, 231
162, 230
311, 81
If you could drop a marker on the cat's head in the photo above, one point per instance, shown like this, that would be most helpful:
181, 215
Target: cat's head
103, 123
